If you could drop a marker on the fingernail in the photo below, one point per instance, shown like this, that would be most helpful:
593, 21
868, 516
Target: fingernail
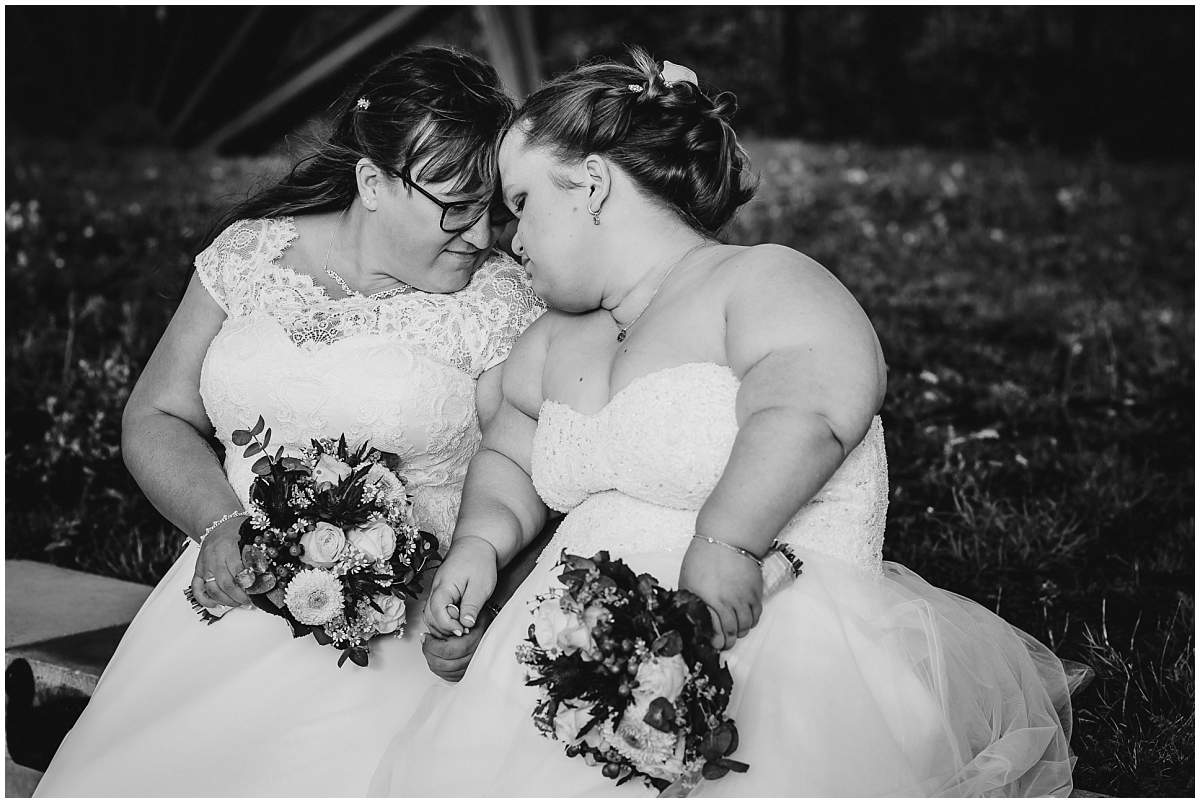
458, 631
468, 620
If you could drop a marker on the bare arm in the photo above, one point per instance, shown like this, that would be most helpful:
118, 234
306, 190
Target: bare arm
501, 512
812, 376
163, 433
449, 655
490, 400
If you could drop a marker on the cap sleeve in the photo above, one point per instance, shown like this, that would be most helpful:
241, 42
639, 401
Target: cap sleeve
226, 265
514, 307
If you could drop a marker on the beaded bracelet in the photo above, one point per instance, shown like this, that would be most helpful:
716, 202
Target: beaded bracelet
217, 523
743, 552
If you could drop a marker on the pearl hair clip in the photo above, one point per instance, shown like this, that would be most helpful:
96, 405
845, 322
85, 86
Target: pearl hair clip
363, 104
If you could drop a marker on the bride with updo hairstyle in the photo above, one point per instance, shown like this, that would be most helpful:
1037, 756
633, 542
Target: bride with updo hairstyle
686, 403
671, 139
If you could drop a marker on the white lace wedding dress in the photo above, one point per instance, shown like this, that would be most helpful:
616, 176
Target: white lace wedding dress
239, 707
859, 680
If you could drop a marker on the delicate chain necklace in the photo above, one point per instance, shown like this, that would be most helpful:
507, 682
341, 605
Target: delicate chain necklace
347, 289
624, 330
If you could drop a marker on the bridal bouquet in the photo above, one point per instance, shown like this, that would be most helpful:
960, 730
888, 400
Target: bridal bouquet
331, 546
630, 679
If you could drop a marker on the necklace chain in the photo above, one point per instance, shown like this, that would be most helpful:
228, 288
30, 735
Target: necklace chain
346, 288
624, 330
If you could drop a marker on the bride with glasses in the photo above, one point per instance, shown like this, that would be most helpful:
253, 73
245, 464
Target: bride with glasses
360, 295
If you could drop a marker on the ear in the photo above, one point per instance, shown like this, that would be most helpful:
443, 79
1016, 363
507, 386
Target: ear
598, 178
371, 181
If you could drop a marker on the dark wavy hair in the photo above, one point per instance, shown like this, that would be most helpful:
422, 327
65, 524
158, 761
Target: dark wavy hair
674, 141
431, 102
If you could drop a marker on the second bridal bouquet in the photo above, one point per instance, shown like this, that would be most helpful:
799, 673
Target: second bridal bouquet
629, 678
332, 546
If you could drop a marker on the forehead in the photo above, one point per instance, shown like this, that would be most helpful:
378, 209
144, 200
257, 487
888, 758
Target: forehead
517, 159
452, 188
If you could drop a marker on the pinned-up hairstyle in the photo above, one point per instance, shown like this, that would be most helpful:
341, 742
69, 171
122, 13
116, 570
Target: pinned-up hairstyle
674, 141
432, 104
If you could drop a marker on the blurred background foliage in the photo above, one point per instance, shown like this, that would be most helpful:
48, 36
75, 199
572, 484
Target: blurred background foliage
1009, 193
1071, 78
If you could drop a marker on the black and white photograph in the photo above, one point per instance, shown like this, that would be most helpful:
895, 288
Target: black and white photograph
599, 401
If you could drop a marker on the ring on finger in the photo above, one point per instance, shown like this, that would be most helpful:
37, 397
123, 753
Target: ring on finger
210, 579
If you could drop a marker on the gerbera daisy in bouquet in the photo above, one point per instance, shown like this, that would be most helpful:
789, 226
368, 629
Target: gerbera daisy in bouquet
331, 545
629, 678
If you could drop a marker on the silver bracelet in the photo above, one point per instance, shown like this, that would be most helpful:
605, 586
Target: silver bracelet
208, 530
743, 552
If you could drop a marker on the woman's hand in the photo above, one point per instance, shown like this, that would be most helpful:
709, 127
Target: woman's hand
217, 567
463, 583
729, 583
448, 658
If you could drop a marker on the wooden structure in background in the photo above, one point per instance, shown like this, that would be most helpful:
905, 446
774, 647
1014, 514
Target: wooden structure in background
507, 31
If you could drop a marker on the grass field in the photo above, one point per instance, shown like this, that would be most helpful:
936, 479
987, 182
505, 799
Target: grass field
1036, 313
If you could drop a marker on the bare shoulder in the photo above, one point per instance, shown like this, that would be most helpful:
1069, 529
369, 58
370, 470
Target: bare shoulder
764, 270
767, 279
785, 309
522, 379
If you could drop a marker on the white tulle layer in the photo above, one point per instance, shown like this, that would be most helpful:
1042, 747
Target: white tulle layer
850, 685
238, 708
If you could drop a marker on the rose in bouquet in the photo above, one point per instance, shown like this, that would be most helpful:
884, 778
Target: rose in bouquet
331, 545
629, 678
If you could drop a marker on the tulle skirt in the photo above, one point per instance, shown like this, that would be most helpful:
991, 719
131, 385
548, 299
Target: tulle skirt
852, 684
238, 708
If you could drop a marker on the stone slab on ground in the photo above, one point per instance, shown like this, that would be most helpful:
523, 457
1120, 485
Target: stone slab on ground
19, 781
69, 662
43, 602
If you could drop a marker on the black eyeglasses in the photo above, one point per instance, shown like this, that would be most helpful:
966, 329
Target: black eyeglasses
457, 216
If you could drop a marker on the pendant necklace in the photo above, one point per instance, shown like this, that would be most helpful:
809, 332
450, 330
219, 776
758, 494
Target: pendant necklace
624, 330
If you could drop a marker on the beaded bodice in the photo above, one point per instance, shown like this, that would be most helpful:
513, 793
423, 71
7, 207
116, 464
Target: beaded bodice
399, 372
635, 474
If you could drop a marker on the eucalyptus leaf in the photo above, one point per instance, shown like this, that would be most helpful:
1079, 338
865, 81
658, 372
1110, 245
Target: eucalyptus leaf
252, 450
262, 466
668, 644
241, 437
262, 584
266, 438
660, 715
258, 426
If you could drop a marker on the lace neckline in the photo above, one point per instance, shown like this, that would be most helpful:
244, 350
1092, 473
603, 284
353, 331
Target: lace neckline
276, 261
642, 379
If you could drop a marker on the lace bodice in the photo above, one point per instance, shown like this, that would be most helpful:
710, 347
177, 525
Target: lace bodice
637, 472
399, 372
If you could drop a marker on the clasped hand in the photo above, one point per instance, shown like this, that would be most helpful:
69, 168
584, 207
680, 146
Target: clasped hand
462, 586
730, 584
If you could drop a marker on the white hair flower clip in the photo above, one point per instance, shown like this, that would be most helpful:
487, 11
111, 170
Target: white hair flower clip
673, 73
634, 87
363, 104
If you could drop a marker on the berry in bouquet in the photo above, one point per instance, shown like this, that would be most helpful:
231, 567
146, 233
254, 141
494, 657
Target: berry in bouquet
630, 681
331, 545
